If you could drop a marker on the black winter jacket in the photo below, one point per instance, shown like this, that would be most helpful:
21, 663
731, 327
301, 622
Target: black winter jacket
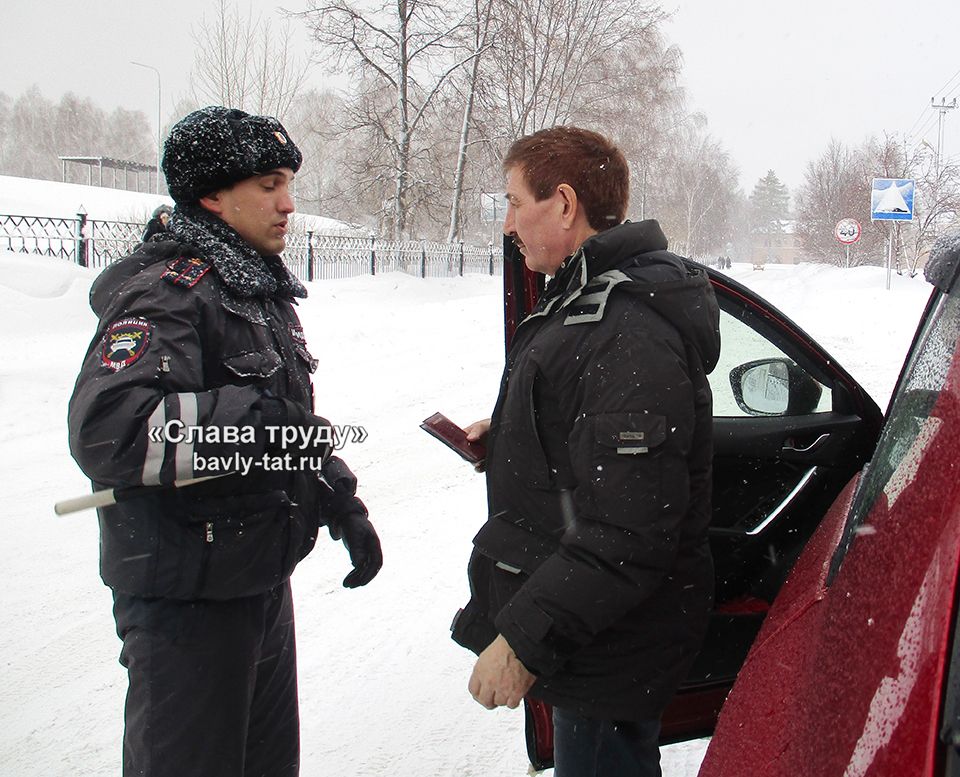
178, 346
594, 563
154, 227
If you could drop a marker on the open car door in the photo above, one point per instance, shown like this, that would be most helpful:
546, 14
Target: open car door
791, 427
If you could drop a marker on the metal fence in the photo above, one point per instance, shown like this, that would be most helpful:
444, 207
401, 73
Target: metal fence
311, 255
107, 241
41, 235
316, 256
87, 242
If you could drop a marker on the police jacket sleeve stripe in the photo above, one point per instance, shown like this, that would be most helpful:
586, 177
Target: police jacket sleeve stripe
141, 422
189, 414
172, 445
155, 445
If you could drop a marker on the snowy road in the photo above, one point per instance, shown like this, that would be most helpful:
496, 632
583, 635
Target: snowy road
383, 689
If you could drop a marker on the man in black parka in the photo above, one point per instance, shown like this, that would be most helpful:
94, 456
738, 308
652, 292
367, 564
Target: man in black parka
591, 581
200, 366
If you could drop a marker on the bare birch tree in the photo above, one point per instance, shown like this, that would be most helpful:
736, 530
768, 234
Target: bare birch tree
407, 48
240, 63
936, 206
480, 25
697, 192
549, 51
625, 86
829, 193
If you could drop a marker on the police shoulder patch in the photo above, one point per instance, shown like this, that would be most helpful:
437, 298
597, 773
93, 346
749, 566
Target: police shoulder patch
124, 342
185, 271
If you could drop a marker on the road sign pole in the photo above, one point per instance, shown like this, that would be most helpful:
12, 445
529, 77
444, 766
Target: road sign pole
891, 199
847, 232
890, 257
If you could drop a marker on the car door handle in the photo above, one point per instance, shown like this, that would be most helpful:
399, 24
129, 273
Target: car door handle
792, 446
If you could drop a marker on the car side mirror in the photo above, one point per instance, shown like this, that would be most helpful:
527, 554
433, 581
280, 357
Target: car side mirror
774, 387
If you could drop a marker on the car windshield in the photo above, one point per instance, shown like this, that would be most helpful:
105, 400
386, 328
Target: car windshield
911, 423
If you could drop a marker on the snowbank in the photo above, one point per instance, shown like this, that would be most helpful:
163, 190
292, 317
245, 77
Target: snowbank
31, 197
383, 689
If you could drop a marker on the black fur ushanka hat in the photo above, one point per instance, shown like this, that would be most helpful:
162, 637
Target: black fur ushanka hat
215, 147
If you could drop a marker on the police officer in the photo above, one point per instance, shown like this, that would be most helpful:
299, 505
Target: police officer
200, 366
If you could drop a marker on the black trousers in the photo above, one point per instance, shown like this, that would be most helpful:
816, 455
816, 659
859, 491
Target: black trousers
212, 686
584, 747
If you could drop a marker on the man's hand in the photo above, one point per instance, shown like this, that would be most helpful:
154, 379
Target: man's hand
363, 544
477, 432
499, 679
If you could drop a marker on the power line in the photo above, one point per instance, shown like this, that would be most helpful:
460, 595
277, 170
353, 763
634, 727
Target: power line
942, 88
916, 138
920, 118
924, 114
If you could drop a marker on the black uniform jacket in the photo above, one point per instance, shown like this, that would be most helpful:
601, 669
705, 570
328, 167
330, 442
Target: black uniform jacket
594, 563
176, 349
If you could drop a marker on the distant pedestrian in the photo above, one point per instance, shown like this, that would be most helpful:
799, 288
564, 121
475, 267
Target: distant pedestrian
158, 222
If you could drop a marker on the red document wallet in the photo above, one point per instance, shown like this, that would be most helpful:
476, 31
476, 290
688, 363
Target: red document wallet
454, 437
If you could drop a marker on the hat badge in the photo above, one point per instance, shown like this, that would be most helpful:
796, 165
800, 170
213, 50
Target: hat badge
281, 137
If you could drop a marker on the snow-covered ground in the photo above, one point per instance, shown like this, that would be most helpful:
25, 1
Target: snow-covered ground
383, 689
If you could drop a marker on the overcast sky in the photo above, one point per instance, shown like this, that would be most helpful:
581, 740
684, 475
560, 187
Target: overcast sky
776, 80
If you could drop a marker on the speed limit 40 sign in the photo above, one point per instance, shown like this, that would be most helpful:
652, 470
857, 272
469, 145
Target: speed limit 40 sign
847, 231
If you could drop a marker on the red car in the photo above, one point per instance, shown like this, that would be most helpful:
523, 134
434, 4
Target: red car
836, 536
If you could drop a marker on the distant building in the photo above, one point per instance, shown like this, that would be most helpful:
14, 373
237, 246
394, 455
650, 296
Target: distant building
776, 247
114, 168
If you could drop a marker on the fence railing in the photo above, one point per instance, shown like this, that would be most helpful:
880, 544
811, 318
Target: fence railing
41, 235
311, 255
85, 241
314, 256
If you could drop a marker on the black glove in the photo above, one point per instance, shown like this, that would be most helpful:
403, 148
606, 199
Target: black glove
295, 430
363, 544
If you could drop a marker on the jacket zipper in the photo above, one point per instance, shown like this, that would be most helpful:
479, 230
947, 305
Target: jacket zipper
204, 558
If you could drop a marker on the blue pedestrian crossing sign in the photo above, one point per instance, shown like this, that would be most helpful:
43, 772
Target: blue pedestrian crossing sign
892, 199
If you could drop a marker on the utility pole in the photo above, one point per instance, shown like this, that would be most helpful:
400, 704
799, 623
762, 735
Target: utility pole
159, 125
943, 107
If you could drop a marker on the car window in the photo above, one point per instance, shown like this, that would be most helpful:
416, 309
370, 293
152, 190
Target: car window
910, 426
739, 345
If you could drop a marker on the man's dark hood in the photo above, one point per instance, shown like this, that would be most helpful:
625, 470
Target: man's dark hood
676, 288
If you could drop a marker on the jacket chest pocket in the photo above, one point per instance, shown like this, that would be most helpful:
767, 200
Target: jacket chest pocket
248, 350
253, 365
620, 458
263, 344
